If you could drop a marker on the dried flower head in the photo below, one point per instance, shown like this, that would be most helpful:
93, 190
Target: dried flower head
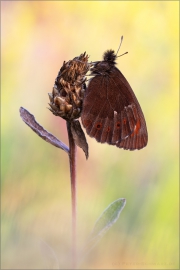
68, 91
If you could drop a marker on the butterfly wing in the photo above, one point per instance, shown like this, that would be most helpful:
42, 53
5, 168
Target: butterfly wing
97, 115
131, 114
111, 112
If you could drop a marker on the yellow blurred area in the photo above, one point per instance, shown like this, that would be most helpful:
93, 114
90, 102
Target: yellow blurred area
36, 37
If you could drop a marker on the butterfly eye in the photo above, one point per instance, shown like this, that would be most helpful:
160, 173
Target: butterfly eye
98, 126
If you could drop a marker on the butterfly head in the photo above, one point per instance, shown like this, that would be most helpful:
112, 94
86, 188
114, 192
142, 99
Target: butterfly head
110, 56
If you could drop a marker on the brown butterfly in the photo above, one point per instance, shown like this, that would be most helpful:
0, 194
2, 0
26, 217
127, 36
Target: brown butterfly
111, 112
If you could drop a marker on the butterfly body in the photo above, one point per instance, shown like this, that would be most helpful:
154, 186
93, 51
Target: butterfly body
111, 112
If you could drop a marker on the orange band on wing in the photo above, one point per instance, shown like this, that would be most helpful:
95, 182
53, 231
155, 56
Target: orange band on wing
137, 128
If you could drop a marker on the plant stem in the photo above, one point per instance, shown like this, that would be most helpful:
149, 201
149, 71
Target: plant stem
72, 163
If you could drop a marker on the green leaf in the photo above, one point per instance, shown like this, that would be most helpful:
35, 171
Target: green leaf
105, 222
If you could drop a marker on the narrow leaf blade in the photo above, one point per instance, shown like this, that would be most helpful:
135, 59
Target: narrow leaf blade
108, 217
29, 119
104, 223
79, 136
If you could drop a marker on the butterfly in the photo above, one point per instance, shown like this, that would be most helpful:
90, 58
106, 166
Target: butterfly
111, 112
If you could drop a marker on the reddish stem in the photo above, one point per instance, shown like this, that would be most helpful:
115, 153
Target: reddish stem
72, 163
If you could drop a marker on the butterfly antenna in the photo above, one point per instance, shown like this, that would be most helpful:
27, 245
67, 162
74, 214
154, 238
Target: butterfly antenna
120, 47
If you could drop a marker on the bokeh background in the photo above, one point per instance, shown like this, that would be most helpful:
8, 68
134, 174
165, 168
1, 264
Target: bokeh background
36, 37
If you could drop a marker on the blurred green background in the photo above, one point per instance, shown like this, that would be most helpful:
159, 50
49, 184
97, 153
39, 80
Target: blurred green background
36, 37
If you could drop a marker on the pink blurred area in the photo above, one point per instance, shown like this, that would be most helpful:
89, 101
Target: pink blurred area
36, 37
